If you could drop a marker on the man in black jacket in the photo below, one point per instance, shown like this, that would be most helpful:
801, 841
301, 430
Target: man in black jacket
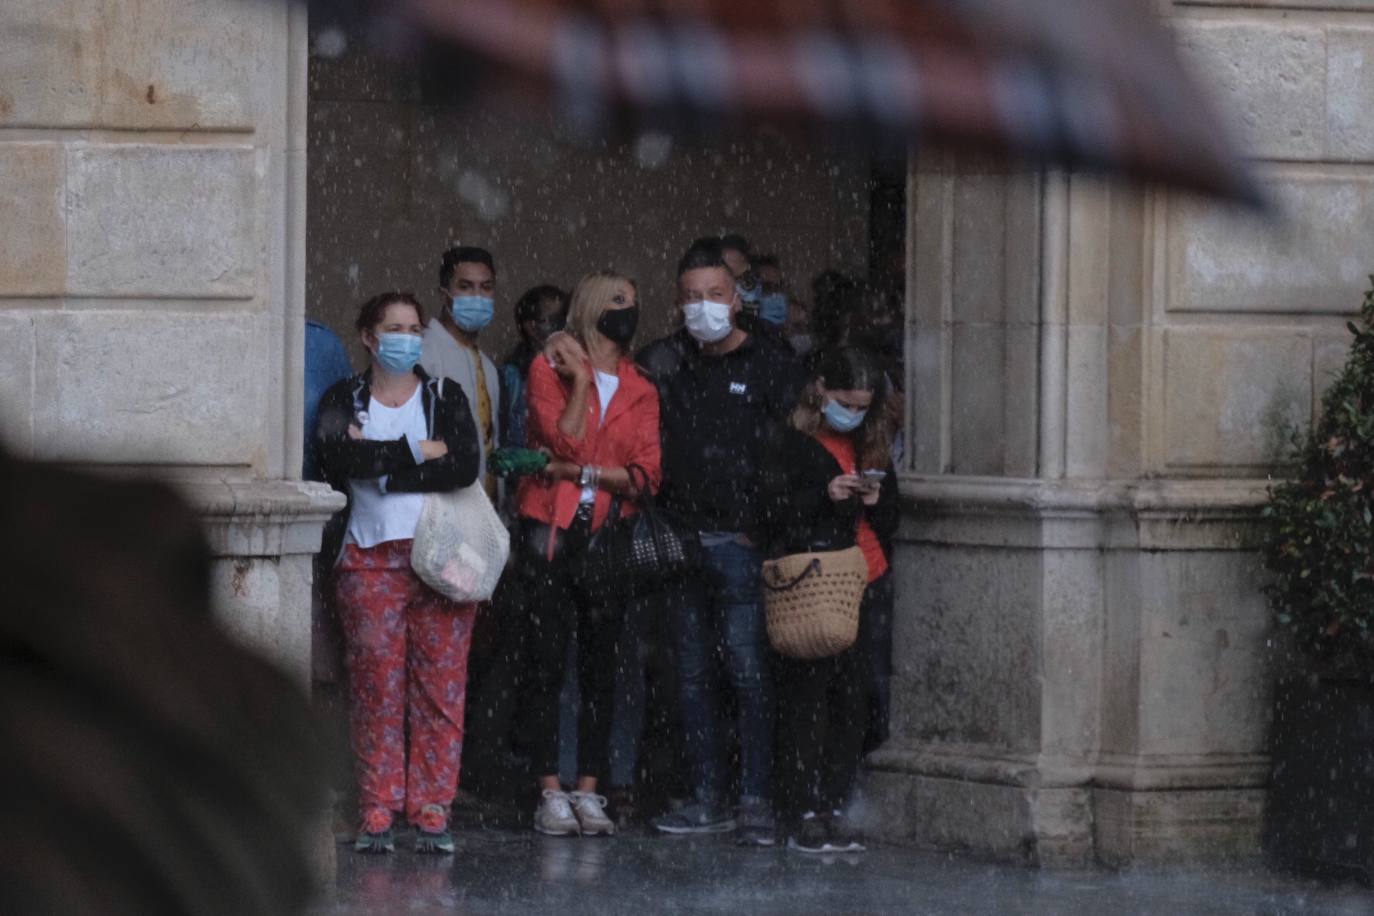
719, 389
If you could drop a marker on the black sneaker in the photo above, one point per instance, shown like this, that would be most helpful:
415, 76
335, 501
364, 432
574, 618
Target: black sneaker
431, 831
812, 835
756, 826
695, 817
842, 835
622, 803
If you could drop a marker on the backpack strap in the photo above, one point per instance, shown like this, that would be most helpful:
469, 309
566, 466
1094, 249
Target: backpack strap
436, 394
359, 407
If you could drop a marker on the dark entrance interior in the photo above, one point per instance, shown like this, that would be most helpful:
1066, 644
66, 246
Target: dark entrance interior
403, 163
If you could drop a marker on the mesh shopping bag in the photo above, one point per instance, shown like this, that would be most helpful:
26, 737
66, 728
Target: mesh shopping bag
460, 544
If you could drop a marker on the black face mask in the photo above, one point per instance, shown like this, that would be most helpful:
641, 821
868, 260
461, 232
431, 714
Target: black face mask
619, 325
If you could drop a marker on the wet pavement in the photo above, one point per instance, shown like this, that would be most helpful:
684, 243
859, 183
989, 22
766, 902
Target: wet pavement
509, 872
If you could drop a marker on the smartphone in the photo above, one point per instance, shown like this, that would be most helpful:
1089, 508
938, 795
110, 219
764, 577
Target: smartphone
871, 479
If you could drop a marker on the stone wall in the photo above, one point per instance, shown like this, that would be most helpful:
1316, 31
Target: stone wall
152, 254
151, 270
400, 168
1254, 316
1083, 669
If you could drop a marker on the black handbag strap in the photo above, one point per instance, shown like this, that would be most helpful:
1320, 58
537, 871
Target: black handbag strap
639, 479
646, 496
813, 567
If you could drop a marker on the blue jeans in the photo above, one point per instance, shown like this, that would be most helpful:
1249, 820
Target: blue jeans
720, 614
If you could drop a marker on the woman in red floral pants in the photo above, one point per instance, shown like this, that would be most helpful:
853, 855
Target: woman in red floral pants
387, 437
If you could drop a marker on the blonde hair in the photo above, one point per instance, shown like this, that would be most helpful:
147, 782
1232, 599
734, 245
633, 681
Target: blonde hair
590, 298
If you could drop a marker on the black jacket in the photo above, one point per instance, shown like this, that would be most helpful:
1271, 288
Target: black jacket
447, 417
715, 412
798, 514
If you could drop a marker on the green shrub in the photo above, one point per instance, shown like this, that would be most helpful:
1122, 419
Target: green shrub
1319, 542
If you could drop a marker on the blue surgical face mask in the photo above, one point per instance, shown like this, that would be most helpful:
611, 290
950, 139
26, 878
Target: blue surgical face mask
472, 313
398, 352
840, 418
750, 296
773, 308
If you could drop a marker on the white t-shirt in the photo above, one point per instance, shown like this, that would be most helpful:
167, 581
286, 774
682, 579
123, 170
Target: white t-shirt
606, 387
378, 516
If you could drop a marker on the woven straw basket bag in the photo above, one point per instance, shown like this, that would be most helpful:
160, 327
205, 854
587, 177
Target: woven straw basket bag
812, 601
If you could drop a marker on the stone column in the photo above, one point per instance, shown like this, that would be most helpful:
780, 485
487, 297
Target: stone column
152, 252
1101, 380
1097, 391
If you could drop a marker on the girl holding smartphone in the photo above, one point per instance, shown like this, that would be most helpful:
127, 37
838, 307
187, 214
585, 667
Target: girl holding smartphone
829, 486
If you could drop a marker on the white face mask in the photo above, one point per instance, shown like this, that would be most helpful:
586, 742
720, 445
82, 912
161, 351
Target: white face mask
707, 321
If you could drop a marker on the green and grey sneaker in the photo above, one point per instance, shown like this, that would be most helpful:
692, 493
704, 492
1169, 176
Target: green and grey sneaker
431, 831
375, 836
696, 817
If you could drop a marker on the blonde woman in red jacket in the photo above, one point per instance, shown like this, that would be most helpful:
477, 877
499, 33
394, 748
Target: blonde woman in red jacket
597, 416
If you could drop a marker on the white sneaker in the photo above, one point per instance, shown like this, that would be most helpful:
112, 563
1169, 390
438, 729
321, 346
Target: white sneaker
590, 809
554, 816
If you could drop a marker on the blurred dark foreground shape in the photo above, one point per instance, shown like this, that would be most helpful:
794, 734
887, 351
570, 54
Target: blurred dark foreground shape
150, 763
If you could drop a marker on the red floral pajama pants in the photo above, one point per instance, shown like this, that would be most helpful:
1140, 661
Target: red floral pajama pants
406, 650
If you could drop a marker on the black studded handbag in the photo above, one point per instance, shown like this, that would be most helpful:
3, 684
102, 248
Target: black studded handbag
641, 552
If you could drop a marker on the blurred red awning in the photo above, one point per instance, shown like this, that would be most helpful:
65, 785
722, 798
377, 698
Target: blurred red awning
1092, 84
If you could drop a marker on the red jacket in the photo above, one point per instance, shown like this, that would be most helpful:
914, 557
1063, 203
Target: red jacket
629, 436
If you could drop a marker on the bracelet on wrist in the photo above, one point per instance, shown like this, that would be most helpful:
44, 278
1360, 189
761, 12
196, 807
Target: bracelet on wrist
589, 477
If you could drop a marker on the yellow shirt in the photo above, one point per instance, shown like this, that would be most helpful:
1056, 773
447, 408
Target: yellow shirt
484, 418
